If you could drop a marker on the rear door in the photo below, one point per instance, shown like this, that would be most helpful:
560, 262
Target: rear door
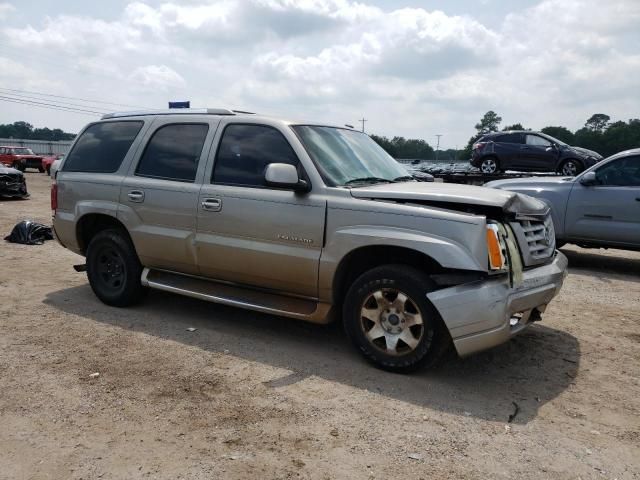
159, 196
507, 148
253, 234
537, 153
610, 210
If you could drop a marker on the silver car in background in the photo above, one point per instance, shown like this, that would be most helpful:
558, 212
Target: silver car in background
599, 208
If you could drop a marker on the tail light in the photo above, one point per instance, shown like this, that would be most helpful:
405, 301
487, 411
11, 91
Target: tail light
479, 145
54, 196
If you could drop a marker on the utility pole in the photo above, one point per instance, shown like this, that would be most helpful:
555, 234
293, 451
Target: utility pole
438, 145
362, 120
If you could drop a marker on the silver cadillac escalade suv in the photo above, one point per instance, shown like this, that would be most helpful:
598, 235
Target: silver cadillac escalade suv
304, 220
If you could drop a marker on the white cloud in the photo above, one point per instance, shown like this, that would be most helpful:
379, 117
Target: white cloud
6, 9
411, 71
157, 76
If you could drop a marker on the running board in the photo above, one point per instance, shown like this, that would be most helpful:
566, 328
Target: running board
235, 296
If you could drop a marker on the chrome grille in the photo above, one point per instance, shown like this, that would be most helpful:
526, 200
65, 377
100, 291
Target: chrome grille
536, 238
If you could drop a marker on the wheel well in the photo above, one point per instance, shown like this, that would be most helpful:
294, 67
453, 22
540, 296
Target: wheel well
365, 258
89, 225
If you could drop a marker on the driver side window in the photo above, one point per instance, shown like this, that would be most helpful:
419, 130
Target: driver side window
624, 172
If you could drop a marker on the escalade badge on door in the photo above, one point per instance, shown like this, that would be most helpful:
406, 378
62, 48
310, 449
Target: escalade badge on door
293, 238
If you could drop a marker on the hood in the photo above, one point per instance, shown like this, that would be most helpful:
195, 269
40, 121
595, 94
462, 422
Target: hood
587, 152
6, 170
451, 193
530, 182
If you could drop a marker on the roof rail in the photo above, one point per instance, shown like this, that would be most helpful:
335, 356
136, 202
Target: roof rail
175, 111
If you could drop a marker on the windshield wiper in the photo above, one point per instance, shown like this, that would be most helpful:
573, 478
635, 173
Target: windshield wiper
369, 180
404, 178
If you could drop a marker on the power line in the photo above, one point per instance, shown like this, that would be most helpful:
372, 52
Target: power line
34, 98
71, 98
438, 145
49, 106
362, 120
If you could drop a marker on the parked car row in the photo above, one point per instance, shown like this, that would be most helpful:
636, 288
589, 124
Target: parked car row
21, 158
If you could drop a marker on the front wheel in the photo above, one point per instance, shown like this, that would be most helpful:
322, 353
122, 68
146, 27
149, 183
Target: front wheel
113, 268
390, 321
19, 166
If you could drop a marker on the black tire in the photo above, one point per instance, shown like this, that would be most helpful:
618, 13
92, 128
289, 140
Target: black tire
570, 167
41, 169
113, 268
19, 166
49, 170
434, 339
489, 166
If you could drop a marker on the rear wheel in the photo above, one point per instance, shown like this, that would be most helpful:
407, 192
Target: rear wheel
570, 167
390, 321
489, 165
113, 268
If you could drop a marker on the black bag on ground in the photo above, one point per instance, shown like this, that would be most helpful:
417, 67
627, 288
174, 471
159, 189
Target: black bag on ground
30, 233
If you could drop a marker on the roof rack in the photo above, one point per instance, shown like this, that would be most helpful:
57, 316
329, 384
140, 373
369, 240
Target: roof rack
176, 111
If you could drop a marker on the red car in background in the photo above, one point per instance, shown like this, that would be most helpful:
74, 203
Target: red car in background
20, 158
48, 160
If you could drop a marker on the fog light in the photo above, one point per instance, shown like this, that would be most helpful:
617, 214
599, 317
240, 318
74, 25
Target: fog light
515, 319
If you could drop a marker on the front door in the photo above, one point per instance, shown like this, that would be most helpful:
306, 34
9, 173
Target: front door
252, 234
608, 211
159, 196
537, 153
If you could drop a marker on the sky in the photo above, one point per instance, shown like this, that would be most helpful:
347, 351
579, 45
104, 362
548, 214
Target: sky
410, 68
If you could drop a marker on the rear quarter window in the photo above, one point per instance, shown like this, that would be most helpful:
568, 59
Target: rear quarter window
102, 147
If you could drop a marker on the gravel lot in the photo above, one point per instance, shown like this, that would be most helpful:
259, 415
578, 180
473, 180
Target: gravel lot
248, 395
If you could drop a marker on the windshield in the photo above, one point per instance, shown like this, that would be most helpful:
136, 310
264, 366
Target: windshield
346, 157
22, 151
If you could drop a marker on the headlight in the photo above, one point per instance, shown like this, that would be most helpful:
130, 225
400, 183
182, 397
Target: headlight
496, 248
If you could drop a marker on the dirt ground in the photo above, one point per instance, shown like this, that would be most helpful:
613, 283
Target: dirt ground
248, 395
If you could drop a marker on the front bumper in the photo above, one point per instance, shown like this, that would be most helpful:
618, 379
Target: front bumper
12, 188
483, 314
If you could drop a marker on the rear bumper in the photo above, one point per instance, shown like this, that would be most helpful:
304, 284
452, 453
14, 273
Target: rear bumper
481, 315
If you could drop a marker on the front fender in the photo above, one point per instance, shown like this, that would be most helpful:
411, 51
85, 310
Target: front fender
446, 252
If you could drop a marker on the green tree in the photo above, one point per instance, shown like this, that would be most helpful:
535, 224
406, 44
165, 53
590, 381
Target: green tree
598, 122
400, 147
488, 123
515, 126
561, 133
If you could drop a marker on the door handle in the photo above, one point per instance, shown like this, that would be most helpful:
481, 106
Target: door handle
136, 196
212, 204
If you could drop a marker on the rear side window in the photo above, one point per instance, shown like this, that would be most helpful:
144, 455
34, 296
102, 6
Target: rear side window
173, 152
102, 147
246, 150
509, 138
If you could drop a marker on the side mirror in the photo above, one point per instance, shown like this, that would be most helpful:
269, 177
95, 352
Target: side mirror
589, 179
284, 175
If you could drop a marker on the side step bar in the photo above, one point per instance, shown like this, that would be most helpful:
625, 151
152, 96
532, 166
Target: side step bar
235, 296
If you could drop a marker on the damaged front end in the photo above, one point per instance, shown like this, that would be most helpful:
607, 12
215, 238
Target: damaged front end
12, 184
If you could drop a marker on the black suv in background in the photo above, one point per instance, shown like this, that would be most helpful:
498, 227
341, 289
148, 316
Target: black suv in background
529, 151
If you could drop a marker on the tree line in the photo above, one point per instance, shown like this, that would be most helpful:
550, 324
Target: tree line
27, 131
598, 134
